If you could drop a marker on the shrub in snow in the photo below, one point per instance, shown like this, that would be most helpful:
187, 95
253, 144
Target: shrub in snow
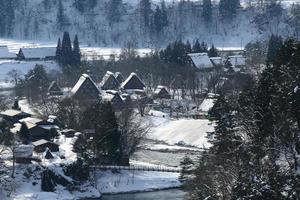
78, 170
50, 179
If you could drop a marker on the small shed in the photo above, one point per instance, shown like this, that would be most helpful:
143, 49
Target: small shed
54, 89
68, 132
109, 82
13, 116
23, 154
133, 82
42, 145
161, 92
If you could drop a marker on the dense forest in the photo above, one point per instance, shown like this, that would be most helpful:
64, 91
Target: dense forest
148, 23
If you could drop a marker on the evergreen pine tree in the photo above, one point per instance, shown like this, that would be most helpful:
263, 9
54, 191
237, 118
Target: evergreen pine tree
207, 11
114, 11
275, 43
213, 52
76, 52
66, 50
60, 18
24, 133
58, 53
145, 12
197, 47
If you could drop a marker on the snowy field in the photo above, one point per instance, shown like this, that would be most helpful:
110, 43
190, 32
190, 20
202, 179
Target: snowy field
127, 181
88, 52
183, 131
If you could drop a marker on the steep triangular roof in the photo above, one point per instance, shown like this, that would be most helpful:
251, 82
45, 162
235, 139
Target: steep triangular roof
119, 77
133, 82
85, 89
201, 60
162, 92
109, 82
54, 89
48, 154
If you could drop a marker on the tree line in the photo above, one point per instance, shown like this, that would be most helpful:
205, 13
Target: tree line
255, 145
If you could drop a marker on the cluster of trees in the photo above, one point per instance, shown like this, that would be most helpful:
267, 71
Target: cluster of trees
256, 140
7, 16
177, 52
34, 85
65, 53
115, 138
149, 22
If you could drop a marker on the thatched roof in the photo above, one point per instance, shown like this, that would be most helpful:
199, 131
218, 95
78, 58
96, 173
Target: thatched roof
162, 92
85, 89
133, 82
119, 77
115, 99
109, 82
54, 89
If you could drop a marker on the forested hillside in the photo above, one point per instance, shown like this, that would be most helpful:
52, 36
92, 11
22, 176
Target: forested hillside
147, 23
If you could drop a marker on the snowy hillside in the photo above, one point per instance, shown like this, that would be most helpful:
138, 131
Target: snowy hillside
96, 25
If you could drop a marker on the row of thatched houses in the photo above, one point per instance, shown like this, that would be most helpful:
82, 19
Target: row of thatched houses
113, 88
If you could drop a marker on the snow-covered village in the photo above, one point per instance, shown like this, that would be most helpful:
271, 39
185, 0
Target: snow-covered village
149, 99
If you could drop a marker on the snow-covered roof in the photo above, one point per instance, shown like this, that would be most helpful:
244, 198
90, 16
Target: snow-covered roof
82, 79
237, 60
38, 53
41, 142
109, 81
201, 60
12, 113
4, 53
133, 82
159, 88
216, 60
31, 120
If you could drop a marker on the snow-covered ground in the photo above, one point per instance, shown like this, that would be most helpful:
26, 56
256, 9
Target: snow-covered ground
88, 52
183, 131
127, 181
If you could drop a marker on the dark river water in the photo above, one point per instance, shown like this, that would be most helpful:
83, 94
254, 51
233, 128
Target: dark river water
173, 194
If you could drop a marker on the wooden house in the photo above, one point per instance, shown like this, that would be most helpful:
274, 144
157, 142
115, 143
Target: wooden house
115, 99
201, 61
109, 82
133, 82
42, 145
161, 92
13, 116
85, 91
119, 77
40, 53
54, 89
38, 128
